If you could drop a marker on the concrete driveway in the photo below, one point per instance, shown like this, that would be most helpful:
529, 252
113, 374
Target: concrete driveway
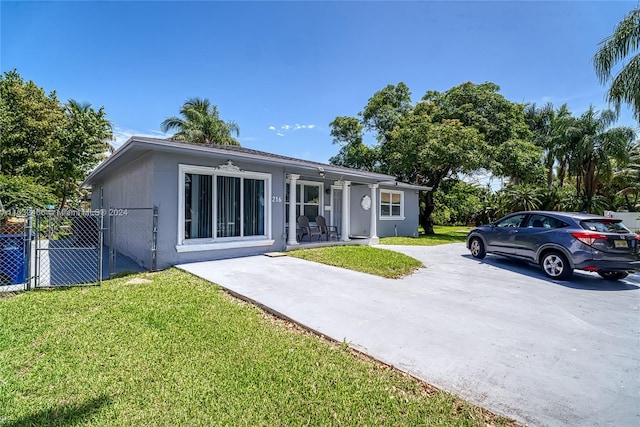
494, 332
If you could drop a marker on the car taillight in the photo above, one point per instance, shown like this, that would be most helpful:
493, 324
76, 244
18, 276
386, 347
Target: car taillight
637, 237
588, 237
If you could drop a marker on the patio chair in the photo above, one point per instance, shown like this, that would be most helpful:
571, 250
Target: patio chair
307, 229
327, 230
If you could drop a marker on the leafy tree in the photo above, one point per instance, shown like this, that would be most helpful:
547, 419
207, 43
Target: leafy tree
46, 143
200, 122
520, 161
422, 152
23, 192
385, 109
82, 144
458, 202
482, 106
458, 131
347, 132
625, 40
30, 122
500, 122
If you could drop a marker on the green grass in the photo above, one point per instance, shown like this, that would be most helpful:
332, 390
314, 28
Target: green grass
366, 259
180, 351
443, 234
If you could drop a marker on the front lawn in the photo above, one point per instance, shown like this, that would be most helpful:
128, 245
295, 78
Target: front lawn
443, 234
366, 259
180, 351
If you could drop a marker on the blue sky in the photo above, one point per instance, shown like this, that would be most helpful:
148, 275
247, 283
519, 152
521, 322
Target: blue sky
284, 70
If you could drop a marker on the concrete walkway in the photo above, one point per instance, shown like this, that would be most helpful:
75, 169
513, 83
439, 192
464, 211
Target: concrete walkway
496, 333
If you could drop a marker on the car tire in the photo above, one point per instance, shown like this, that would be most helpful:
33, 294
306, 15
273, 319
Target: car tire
612, 275
555, 266
476, 246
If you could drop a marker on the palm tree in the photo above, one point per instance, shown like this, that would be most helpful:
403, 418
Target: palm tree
596, 144
200, 123
629, 178
551, 128
522, 198
625, 87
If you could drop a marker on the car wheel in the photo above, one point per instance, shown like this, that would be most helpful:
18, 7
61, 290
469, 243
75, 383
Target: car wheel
556, 266
477, 248
612, 275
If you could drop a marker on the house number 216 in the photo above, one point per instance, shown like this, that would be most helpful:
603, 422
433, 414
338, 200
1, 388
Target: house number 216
276, 199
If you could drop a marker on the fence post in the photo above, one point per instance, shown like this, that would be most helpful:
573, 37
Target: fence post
100, 238
154, 239
112, 244
36, 253
27, 247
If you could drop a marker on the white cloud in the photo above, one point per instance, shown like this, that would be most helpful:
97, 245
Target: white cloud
272, 128
122, 135
279, 134
297, 126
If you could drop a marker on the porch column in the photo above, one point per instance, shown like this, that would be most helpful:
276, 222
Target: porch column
293, 218
345, 211
373, 227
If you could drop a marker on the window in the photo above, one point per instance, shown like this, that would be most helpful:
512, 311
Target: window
605, 226
391, 204
197, 206
543, 221
307, 199
511, 221
223, 204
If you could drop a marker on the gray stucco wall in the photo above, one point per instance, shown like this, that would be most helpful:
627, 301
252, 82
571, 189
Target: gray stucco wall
154, 180
165, 190
361, 219
406, 227
124, 192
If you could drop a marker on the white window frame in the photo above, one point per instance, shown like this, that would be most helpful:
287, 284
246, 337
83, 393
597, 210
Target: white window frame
391, 217
300, 196
214, 243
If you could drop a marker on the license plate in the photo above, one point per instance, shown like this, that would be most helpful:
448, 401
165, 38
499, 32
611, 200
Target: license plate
620, 244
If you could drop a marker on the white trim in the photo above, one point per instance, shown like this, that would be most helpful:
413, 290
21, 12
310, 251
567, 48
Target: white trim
230, 170
197, 247
391, 217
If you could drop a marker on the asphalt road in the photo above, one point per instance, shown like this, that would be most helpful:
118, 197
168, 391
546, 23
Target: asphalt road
494, 332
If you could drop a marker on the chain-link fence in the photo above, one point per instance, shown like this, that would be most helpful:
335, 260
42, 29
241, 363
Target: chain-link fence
68, 247
45, 248
132, 238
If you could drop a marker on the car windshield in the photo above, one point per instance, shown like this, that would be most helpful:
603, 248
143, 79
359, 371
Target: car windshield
604, 226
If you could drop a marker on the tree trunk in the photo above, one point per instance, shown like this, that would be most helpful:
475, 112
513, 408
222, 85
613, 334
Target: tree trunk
425, 219
550, 177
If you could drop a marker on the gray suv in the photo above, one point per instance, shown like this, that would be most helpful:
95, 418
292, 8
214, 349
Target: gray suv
561, 242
